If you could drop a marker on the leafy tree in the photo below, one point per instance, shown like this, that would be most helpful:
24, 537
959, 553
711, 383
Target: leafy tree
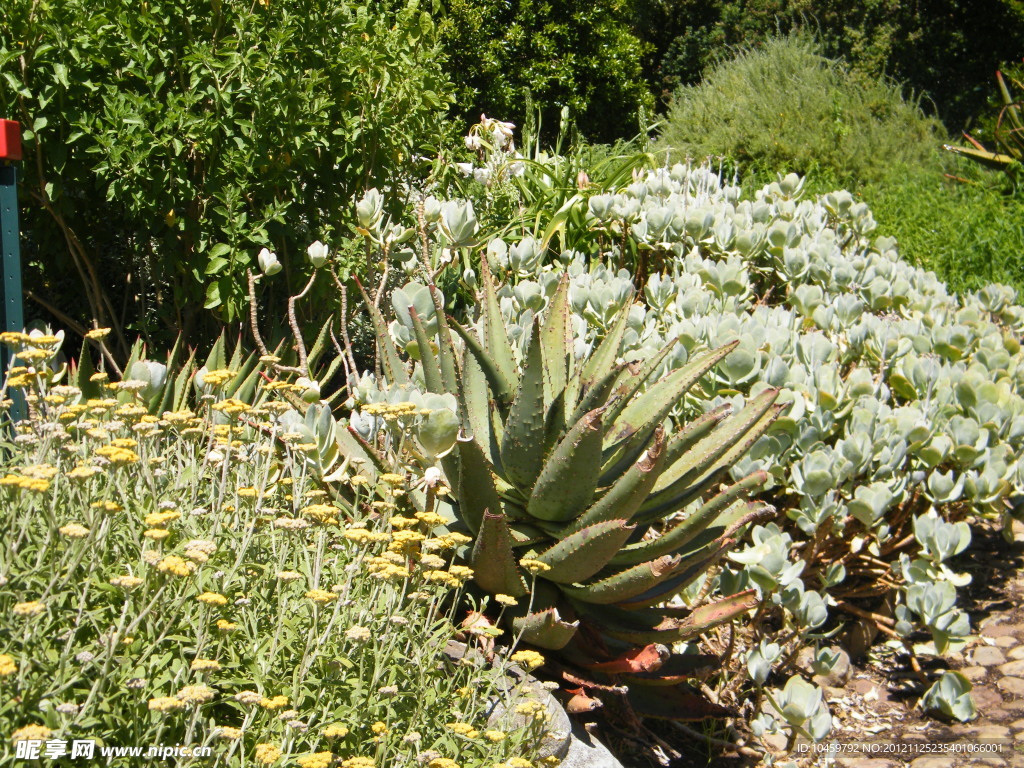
169, 140
579, 54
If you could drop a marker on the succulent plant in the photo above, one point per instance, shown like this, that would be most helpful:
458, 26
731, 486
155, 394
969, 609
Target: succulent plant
569, 477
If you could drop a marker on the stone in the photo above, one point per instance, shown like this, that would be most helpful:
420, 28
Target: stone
1018, 725
932, 761
1013, 686
974, 674
1013, 668
990, 732
1006, 641
587, 752
1016, 653
985, 698
988, 656
863, 685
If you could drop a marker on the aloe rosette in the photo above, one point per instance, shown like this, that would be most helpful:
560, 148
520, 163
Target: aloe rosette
569, 476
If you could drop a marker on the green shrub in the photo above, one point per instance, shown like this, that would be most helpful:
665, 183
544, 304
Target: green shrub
947, 49
169, 140
579, 54
784, 106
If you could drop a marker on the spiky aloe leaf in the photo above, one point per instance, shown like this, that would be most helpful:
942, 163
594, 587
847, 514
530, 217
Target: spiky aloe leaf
627, 494
694, 430
631, 380
679, 482
495, 337
602, 361
661, 625
651, 408
679, 576
522, 445
566, 484
545, 629
500, 385
625, 584
477, 491
584, 552
84, 372
446, 350
474, 405
393, 368
554, 334
597, 394
494, 563
680, 534
719, 612
428, 360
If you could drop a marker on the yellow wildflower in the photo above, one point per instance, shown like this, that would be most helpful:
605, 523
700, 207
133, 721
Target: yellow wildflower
495, 735
7, 665
335, 731
98, 333
358, 762
166, 704
212, 598
117, 456
289, 575
278, 702
196, 694
228, 733
266, 754
463, 729
226, 626
379, 728
31, 733
529, 659
176, 566
156, 534
442, 762
315, 760
503, 599
31, 608
534, 566
126, 582
74, 531
321, 596
204, 665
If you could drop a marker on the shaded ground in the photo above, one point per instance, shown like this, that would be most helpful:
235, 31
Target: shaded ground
877, 704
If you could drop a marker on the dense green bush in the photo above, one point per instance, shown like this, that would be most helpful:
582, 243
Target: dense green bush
576, 54
169, 140
784, 106
947, 49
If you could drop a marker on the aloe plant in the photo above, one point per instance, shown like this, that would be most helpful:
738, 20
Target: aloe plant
1009, 135
569, 479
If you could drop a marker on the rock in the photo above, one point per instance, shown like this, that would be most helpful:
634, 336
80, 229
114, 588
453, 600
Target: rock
863, 685
557, 740
1013, 686
587, 752
1013, 668
994, 629
990, 732
987, 656
974, 674
1006, 641
932, 761
1016, 653
985, 698
1017, 725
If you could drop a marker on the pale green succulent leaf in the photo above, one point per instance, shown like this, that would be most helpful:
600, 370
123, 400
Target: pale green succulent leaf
522, 445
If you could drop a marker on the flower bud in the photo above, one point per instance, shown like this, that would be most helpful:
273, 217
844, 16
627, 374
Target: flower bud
317, 253
268, 262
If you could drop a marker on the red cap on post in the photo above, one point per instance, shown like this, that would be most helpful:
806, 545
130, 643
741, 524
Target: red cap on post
10, 140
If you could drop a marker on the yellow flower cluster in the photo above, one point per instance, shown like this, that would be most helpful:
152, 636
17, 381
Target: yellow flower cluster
463, 729
231, 407
228, 733
7, 665
277, 702
363, 536
335, 731
126, 582
217, 377
196, 694
205, 665
267, 754
321, 596
118, 456
31, 733
166, 704
36, 484
212, 598
529, 659
175, 566
315, 760
448, 541
534, 566
74, 531
390, 410
406, 542
358, 762
322, 513
160, 519
31, 608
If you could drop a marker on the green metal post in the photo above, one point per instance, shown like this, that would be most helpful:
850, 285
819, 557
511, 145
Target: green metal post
10, 291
